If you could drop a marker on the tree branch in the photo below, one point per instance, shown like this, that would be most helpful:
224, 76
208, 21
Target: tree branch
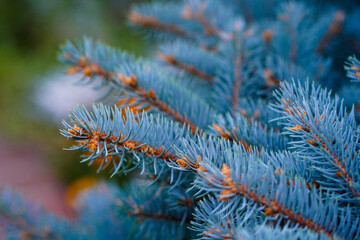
237, 84
334, 29
188, 68
271, 205
95, 138
90, 69
152, 22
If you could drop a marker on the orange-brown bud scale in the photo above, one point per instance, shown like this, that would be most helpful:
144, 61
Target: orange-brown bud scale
225, 170
168, 58
313, 143
224, 195
271, 206
223, 134
82, 62
72, 70
152, 94
67, 55
243, 112
152, 22
190, 69
267, 36
151, 97
182, 163
95, 138
278, 171
288, 110
270, 78
339, 174
87, 71
268, 211
296, 128
128, 81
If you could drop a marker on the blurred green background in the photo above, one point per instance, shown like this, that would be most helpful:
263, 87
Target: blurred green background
31, 32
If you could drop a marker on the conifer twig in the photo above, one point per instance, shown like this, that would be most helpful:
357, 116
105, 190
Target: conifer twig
200, 17
150, 96
95, 138
28, 232
341, 173
271, 79
90, 69
152, 22
334, 29
237, 84
231, 137
317, 141
188, 68
272, 206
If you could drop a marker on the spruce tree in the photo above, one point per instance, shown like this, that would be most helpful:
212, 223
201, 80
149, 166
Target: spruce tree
243, 126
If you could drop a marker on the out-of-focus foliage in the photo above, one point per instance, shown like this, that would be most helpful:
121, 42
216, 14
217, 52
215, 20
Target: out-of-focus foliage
31, 32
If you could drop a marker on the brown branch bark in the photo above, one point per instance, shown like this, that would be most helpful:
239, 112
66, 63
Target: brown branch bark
334, 29
199, 16
152, 22
237, 84
317, 141
188, 68
90, 69
28, 232
151, 97
95, 138
272, 207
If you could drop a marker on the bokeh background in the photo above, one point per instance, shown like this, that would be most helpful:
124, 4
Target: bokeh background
35, 93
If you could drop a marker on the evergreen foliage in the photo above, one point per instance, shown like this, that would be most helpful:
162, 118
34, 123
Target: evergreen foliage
232, 128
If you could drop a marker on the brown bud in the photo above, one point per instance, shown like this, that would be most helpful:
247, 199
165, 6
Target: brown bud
225, 170
338, 20
295, 128
82, 62
270, 78
87, 71
284, 101
128, 81
278, 171
182, 163
224, 195
98, 70
72, 70
167, 58
339, 174
92, 145
311, 142
288, 110
316, 184
268, 211
217, 128
202, 169
67, 55
187, 13
267, 36
243, 112
152, 94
